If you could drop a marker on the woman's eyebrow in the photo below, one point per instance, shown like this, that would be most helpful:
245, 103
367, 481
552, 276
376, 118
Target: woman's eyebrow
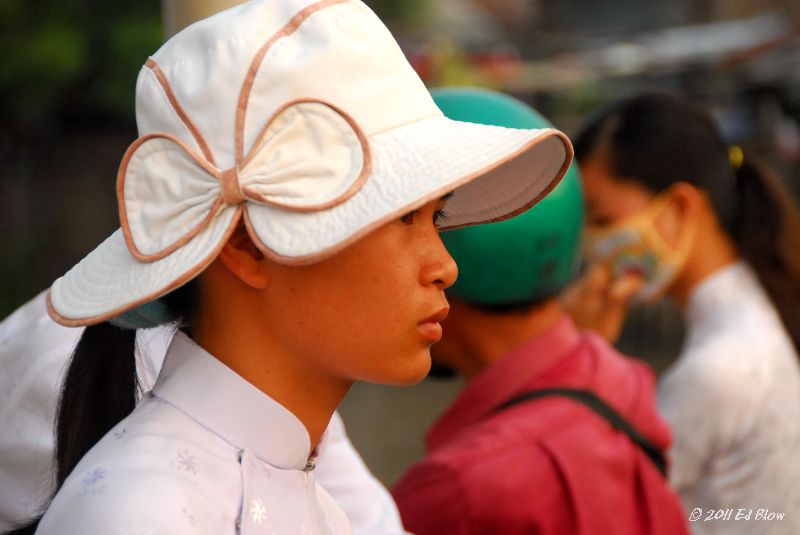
446, 197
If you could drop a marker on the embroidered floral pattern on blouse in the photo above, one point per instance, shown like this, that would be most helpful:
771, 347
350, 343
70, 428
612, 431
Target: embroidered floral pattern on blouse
189, 516
93, 482
184, 462
326, 513
258, 512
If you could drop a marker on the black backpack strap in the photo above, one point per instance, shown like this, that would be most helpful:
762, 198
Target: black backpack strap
599, 406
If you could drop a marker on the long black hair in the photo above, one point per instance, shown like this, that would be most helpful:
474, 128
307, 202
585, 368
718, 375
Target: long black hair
657, 140
101, 387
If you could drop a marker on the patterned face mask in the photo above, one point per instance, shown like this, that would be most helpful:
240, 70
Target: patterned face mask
634, 245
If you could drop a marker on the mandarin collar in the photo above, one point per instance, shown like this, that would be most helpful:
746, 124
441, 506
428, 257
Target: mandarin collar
222, 401
505, 378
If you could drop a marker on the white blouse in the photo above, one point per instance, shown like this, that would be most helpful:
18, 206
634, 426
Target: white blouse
34, 352
205, 452
733, 401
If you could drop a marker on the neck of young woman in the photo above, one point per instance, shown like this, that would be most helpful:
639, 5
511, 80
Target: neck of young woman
310, 394
711, 251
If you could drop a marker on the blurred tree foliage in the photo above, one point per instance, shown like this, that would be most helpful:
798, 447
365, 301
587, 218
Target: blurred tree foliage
400, 12
76, 61
72, 60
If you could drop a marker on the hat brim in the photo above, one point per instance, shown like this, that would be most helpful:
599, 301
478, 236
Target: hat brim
493, 172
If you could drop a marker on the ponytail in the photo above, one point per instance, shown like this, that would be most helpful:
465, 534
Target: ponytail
99, 390
766, 231
101, 387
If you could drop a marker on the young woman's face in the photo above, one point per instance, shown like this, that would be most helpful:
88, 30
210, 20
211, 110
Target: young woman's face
611, 199
608, 199
371, 312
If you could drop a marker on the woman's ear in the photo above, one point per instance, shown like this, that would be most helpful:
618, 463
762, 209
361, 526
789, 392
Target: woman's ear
681, 213
244, 260
691, 201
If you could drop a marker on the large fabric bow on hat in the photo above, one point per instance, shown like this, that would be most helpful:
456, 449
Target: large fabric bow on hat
309, 156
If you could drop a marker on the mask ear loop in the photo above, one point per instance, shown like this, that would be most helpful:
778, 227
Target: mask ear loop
676, 256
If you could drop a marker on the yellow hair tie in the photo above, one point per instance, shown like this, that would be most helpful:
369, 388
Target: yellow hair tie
736, 156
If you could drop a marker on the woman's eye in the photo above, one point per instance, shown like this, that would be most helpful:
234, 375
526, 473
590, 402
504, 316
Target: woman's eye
438, 217
408, 218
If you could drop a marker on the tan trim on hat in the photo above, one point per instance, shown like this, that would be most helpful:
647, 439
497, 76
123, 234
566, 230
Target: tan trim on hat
357, 184
180, 281
437, 194
231, 189
123, 215
244, 95
165, 85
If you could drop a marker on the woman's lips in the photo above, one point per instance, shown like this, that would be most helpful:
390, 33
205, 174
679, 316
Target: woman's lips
431, 327
432, 330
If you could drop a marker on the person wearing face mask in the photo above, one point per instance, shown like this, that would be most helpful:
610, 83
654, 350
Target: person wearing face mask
670, 203
555, 432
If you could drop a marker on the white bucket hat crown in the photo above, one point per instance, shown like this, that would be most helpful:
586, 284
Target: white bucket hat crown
304, 119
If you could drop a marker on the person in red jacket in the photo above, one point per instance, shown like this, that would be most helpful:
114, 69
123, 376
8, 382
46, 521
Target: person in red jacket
555, 432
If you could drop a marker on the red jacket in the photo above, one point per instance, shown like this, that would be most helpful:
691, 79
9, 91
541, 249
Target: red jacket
549, 466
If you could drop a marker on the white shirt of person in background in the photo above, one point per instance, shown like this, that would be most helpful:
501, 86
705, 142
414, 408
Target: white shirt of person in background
733, 397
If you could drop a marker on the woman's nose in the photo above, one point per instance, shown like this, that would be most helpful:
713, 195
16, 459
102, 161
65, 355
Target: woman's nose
440, 269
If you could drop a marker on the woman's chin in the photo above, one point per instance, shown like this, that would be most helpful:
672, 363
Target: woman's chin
414, 370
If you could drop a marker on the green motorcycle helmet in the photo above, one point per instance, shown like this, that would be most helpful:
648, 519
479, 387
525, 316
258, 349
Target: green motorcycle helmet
529, 257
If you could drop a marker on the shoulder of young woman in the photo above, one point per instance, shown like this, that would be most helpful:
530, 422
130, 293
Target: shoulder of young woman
145, 476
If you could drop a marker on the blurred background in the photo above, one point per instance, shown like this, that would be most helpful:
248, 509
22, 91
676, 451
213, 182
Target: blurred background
67, 81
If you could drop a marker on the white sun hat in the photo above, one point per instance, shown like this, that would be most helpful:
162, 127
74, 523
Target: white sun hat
304, 119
